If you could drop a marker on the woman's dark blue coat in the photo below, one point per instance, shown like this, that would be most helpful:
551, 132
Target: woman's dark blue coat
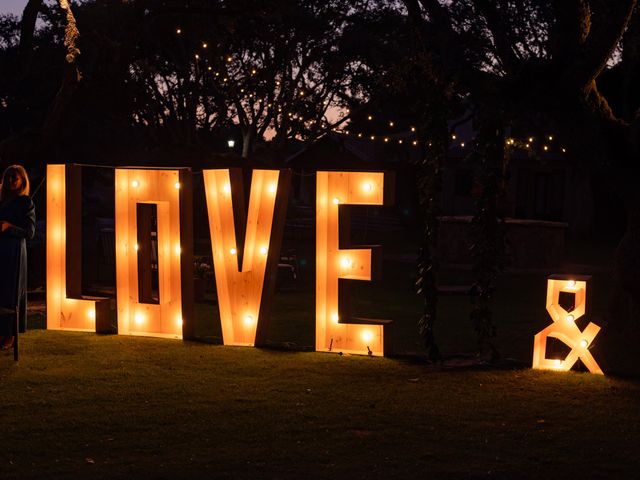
20, 212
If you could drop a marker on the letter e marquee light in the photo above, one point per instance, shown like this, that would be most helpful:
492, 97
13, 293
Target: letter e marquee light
564, 326
336, 329
67, 309
170, 191
246, 260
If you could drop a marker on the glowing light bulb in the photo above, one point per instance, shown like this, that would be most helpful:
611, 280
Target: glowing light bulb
453, 136
530, 139
178, 249
197, 56
226, 188
373, 137
367, 187
136, 247
369, 117
400, 141
391, 124
179, 321
558, 363
584, 343
414, 143
346, 262
273, 187
462, 144
135, 184
335, 318
248, 320
233, 251
229, 59
91, 313
413, 129
178, 31
386, 139
570, 318
177, 185
367, 336
204, 45
138, 318
571, 284
336, 201
545, 148
550, 138
263, 250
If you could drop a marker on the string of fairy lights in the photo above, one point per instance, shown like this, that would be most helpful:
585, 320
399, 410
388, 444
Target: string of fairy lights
230, 71
544, 144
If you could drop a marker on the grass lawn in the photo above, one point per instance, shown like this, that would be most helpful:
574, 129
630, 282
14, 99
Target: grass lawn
89, 406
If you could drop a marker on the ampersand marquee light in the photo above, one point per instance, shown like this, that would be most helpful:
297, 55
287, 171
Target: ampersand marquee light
336, 329
67, 309
170, 191
564, 326
246, 248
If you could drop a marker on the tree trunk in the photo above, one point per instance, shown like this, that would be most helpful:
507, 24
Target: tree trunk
621, 332
248, 136
27, 30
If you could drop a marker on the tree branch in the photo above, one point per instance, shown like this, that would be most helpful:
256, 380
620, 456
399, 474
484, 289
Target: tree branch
27, 30
608, 24
500, 30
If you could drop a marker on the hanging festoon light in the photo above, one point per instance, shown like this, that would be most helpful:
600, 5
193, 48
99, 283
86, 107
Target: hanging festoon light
246, 265
337, 330
170, 250
564, 327
67, 309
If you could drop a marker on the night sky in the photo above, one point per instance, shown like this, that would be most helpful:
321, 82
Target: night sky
12, 6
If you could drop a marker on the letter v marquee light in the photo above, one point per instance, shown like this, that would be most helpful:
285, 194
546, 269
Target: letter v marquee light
67, 309
564, 326
246, 265
336, 330
171, 193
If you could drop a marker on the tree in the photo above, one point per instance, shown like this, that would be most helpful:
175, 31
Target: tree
184, 73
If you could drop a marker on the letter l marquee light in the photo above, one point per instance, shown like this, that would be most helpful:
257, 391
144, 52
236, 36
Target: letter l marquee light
564, 326
67, 309
336, 329
246, 265
171, 193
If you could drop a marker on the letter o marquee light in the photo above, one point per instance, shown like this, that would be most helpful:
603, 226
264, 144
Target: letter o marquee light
564, 326
170, 192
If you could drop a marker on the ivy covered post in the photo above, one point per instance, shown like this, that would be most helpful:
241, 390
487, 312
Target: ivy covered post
488, 228
429, 170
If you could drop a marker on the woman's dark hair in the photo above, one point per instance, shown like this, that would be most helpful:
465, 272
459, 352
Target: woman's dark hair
5, 191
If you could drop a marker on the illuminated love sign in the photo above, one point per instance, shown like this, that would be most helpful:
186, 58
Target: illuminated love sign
245, 251
564, 326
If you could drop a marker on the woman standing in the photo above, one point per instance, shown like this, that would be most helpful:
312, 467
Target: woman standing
17, 224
